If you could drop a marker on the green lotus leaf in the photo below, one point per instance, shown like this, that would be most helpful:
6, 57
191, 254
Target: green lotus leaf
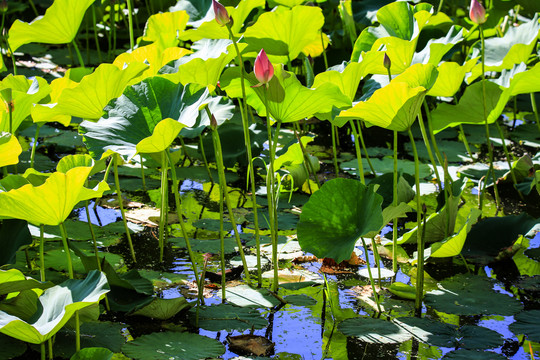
469, 107
164, 28
284, 33
374, 331
205, 65
450, 78
229, 318
452, 245
52, 202
471, 295
56, 306
13, 281
196, 9
59, 25
43, 113
163, 309
244, 295
527, 324
153, 56
444, 335
23, 93
504, 52
163, 136
347, 78
397, 34
10, 149
435, 49
93, 353
210, 29
288, 100
133, 116
91, 95
173, 346
466, 354
396, 105
14, 235
336, 216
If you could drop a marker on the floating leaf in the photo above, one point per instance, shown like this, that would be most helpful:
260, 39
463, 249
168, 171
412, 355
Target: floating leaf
229, 318
244, 295
336, 215
93, 353
374, 331
527, 324
464, 354
173, 346
163, 309
57, 306
452, 246
59, 25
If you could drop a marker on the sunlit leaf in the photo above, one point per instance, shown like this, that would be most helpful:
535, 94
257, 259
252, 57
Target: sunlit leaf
164, 28
435, 49
10, 149
42, 113
452, 246
164, 134
450, 78
59, 25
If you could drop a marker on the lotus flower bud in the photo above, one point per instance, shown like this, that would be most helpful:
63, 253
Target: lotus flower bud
3, 6
477, 13
263, 69
222, 16
386, 62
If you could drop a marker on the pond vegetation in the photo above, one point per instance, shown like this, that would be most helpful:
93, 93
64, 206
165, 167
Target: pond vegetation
282, 179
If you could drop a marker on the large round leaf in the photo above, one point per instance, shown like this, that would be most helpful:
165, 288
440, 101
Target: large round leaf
374, 331
527, 324
336, 216
173, 346
10, 149
133, 116
229, 317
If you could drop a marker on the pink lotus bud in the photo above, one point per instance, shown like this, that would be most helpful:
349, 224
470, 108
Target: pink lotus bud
477, 13
222, 16
264, 71
386, 62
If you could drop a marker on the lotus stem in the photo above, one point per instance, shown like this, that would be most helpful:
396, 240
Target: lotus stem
428, 148
365, 149
307, 162
224, 189
96, 40
535, 110
508, 159
49, 345
41, 253
34, 146
112, 18
375, 294
142, 172
247, 143
164, 203
324, 51
465, 142
203, 153
432, 134
121, 204
334, 149
488, 141
419, 237
360, 172
42, 350
77, 332
222, 248
130, 20
180, 214
79, 56
395, 204
65, 242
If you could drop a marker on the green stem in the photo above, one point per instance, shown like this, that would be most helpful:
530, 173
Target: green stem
508, 159
130, 20
428, 148
488, 141
113, 27
180, 214
360, 172
222, 248
50, 347
334, 149
307, 162
365, 149
34, 146
96, 39
66, 249
33, 6
77, 332
203, 153
43, 351
419, 237
142, 173
164, 203
465, 142
121, 204
535, 110
41, 253
79, 56
247, 143
432, 134
395, 204
375, 294
324, 52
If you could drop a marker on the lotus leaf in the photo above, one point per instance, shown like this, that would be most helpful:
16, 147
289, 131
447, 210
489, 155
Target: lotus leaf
173, 346
164, 28
374, 331
284, 33
244, 295
435, 49
43, 113
336, 216
93, 353
465, 354
163, 309
56, 306
10, 149
59, 25
229, 318
527, 324
163, 136
450, 78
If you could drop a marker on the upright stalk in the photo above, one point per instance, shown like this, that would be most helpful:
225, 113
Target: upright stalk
508, 159
488, 141
203, 153
41, 253
247, 143
395, 204
428, 148
334, 150
96, 40
360, 172
121, 204
65, 243
222, 248
79, 56
375, 294
535, 111
365, 149
33, 154
164, 204
130, 20
419, 237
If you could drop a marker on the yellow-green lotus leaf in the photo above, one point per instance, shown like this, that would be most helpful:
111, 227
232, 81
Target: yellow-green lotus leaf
93, 93
151, 55
164, 134
52, 202
10, 149
450, 78
59, 25
43, 113
163, 28
347, 80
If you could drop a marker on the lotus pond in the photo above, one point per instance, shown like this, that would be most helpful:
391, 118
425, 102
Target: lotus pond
285, 179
